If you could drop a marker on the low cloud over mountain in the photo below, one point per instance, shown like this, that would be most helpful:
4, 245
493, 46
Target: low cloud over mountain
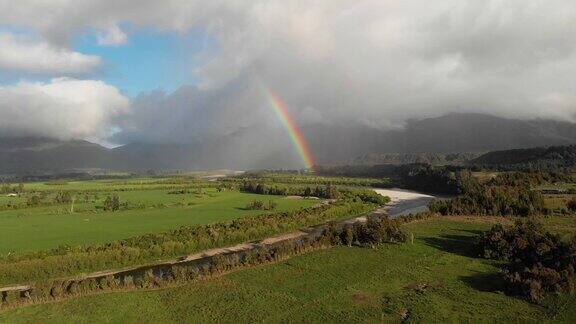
451, 133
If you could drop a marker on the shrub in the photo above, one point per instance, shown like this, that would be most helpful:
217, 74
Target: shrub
255, 205
378, 230
538, 261
112, 203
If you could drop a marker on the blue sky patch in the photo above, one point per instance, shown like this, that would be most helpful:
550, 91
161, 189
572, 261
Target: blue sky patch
148, 61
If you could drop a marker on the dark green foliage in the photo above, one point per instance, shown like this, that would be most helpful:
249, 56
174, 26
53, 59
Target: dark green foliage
365, 195
427, 178
328, 192
534, 159
291, 178
503, 196
416, 176
378, 230
538, 262
571, 205
261, 188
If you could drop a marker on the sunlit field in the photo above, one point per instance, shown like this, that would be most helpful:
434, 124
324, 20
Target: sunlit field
151, 205
435, 279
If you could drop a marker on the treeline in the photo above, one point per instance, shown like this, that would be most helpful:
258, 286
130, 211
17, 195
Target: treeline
432, 158
327, 192
375, 231
296, 179
446, 180
537, 262
66, 260
110, 202
504, 195
552, 158
119, 188
530, 179
416, 176
261, 188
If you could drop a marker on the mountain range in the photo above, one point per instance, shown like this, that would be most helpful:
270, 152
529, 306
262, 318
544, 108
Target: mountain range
453, 133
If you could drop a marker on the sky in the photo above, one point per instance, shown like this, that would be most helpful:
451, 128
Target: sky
123, 71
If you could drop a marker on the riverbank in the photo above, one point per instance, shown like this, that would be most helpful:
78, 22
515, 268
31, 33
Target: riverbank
404, 202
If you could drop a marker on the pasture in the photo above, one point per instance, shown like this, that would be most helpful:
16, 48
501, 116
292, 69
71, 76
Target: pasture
149, 206
435, 279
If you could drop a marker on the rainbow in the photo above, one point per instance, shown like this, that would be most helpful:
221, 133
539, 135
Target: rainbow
293, 130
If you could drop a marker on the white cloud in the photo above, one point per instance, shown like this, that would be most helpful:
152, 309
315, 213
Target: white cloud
63, 108
114, 36
23, 54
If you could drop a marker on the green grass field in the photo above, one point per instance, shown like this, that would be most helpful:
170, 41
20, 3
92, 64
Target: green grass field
39, 228
433, 280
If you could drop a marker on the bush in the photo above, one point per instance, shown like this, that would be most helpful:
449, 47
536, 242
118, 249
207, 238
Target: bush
378, 230
112, 203
538, 261
255, 205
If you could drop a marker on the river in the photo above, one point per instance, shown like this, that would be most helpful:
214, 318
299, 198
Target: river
404, 202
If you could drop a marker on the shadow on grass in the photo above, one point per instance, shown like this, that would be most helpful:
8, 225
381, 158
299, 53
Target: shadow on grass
475, 232
458, 244
486, 282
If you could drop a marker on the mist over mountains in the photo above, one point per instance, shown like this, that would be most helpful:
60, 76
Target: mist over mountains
270, 148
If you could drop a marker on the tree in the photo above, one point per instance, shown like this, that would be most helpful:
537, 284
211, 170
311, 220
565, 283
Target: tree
112, 203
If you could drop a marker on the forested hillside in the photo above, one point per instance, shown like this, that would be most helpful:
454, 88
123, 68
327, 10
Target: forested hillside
534, 158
